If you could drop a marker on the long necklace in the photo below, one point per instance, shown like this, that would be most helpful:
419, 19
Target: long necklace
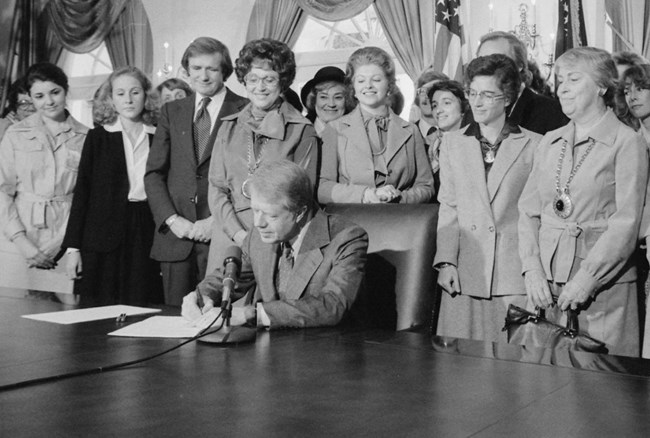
562, 203
252, 167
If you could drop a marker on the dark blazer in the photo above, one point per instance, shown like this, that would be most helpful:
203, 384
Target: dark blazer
537, 113
326, 278
174, 181
98, 214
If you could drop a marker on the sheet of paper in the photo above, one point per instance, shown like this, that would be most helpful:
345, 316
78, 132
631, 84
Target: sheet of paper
90, 314
159, 327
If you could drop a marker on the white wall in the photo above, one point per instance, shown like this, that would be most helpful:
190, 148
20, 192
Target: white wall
180, 21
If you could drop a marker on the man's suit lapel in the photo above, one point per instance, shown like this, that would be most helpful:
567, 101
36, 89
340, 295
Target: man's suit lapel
310, 256
506, 155
186, 126
229, 106
397, 137
266, 260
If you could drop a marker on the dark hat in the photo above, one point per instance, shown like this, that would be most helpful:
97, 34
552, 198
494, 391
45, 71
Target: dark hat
329, 73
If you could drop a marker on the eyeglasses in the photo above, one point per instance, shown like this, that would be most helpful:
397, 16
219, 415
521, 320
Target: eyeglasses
488, 97
25, 104
269, 81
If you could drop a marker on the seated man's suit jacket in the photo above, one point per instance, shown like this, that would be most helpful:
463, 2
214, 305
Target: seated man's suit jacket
326, 278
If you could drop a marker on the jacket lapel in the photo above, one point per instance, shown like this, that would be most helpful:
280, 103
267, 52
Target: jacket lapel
186, 126
266, 259
469, 152
507, 154
229, 106
310, 256
354, 132
398, 135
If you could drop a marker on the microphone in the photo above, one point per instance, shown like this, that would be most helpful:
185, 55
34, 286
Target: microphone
228, 335
232, 265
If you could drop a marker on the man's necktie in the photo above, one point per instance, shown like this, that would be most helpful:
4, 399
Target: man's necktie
202, 125
285, 266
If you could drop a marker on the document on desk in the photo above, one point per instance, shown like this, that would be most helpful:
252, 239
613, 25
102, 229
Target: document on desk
159, 327
90, 314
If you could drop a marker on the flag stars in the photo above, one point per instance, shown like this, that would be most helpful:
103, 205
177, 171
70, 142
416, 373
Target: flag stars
446, 15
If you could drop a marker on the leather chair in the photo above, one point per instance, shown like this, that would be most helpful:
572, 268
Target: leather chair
400, 280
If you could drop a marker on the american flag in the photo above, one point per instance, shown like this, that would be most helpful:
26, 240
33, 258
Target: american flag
450, 42
570, 27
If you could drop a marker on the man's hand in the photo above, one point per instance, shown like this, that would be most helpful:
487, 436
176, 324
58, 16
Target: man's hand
201, 230
181, 227
243, 315
190, 309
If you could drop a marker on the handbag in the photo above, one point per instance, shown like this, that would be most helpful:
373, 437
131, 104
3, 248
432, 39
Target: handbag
533, 329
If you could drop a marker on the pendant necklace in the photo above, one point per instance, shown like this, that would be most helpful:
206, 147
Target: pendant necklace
489, 155
562, 203
252, 167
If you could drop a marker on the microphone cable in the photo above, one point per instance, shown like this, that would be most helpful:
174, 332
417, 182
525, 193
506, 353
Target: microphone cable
39, 380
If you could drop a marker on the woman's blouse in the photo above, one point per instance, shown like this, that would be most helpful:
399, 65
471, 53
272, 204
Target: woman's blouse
136, 155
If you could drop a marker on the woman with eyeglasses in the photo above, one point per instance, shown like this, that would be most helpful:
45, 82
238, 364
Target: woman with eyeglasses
19, 106
581, 209
39, 162
371, 155
267, 129
483, 169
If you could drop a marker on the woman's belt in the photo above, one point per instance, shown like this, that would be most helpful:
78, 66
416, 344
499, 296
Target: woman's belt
565, 237
39, 205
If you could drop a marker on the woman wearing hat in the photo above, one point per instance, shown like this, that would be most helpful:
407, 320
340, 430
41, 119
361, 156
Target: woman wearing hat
326, 97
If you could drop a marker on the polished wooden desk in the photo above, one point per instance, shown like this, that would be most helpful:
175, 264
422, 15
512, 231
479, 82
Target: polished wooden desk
320, 382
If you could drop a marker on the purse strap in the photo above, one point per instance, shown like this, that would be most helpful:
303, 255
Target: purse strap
572, 326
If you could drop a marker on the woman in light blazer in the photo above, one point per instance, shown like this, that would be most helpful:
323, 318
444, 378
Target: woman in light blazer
483, 169
582, 207
371, 155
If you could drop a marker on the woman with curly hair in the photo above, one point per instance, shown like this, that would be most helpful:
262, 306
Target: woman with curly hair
267, 129
110, 231
371, 155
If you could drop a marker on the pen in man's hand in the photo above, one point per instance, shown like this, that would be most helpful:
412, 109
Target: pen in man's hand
199, 301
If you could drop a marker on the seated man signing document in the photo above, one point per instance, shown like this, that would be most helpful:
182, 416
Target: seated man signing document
300, 266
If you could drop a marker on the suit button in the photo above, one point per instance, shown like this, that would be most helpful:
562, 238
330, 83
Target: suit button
491, 228
194, 199
473, 227
199, 176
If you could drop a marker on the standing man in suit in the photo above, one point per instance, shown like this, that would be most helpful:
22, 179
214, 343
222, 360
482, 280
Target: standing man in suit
176, 180
531, 111
307, 266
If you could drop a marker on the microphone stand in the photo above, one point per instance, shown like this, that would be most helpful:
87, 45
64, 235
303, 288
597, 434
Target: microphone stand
228, 335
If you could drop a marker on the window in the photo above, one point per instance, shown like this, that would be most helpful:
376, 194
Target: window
323, 43
86, 72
